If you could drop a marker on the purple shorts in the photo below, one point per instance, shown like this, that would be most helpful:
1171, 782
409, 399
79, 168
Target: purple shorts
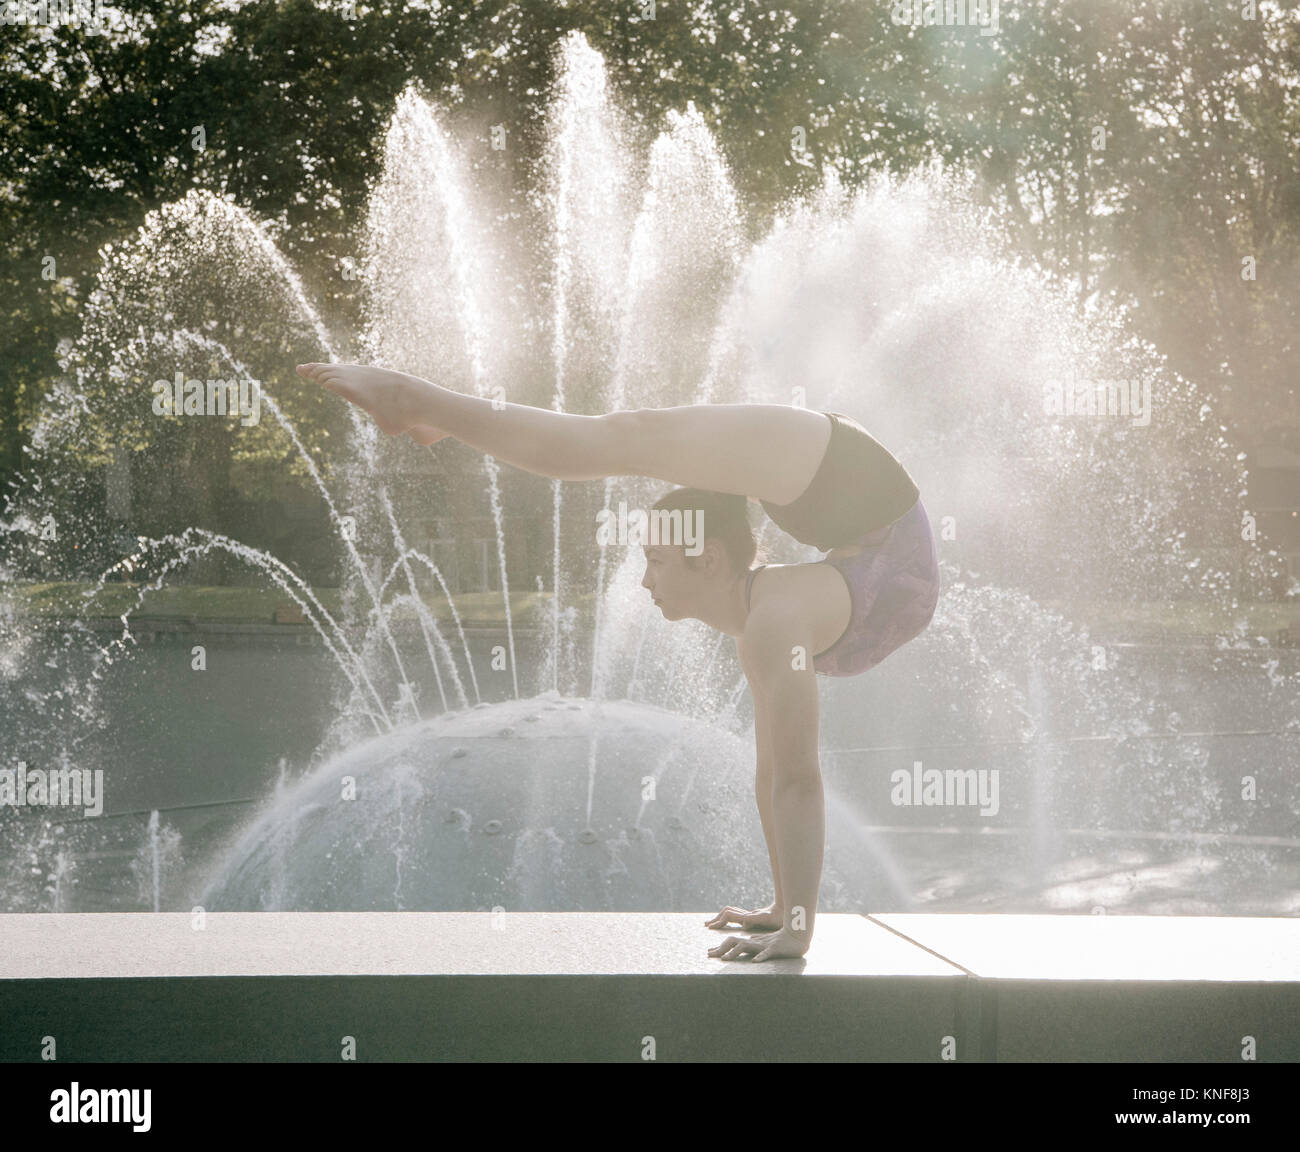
894, 586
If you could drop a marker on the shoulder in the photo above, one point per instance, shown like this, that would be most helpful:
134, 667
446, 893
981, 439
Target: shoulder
782, 613
786, 593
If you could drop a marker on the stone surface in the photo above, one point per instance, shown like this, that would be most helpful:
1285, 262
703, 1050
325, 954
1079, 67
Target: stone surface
612, 987
426, 943
1237, 948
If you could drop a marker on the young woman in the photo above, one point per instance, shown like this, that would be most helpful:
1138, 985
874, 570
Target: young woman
820, 477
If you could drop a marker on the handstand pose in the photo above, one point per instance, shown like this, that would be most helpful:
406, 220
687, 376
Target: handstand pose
822, 478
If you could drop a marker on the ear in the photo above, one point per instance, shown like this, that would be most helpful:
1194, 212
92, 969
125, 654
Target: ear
714, 555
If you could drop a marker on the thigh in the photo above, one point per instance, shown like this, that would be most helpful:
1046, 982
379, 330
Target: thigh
764, 451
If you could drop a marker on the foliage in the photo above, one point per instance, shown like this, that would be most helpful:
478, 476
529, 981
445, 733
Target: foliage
1197, 173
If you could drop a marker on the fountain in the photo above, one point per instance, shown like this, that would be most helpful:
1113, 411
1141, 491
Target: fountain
616, 773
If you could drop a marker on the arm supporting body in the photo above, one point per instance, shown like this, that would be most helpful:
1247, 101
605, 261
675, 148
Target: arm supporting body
778, 648
763, 778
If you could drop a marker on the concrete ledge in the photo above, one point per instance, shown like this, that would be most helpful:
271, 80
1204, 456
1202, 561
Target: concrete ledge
1115, 988
593, 986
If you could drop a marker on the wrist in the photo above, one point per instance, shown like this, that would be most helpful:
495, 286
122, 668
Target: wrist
798, 922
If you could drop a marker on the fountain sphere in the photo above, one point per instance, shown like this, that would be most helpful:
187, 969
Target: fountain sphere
483, 808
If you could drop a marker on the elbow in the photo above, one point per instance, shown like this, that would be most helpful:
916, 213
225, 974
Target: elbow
798, 777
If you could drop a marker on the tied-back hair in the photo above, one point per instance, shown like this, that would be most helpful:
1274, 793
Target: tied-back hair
726, 519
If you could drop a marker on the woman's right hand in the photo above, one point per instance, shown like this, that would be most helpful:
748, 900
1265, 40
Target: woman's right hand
767, 919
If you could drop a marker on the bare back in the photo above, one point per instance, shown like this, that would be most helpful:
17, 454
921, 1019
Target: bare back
816, 593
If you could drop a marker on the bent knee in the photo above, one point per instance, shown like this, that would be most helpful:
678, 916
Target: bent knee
626, 422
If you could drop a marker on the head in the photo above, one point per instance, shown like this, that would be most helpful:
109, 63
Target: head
694, 585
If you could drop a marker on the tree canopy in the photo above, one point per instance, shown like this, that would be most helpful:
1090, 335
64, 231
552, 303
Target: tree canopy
1144, 149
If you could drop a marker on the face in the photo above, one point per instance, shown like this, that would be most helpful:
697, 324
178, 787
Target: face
674, 587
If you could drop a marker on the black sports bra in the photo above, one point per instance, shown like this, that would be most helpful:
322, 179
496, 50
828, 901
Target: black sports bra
858, 487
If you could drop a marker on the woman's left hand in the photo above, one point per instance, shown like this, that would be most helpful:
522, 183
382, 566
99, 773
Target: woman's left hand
779, 945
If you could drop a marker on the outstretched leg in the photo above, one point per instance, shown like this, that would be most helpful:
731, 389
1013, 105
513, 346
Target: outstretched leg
766, 451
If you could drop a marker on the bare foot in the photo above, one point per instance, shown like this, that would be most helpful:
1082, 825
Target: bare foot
390, 397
